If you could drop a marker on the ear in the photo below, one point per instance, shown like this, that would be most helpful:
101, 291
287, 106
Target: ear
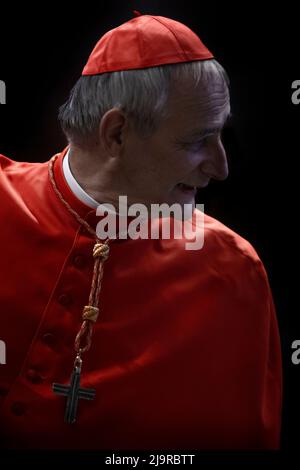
112, 130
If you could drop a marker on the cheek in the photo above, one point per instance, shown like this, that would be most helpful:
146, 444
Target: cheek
135, 160
172, 165
156, 160
147, 165
186, 161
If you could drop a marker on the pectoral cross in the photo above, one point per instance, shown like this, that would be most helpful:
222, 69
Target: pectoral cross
74, 392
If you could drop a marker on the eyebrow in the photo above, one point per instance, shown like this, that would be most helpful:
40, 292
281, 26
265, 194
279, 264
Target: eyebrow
200, 133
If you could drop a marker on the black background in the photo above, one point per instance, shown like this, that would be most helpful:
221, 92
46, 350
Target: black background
43, 48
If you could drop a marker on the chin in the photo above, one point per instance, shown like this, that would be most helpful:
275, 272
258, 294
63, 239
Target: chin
183, 200
182, 196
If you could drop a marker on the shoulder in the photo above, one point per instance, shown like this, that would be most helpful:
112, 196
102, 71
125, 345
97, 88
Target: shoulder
8, 165
19, 173
221, 234
23, 187
228, 250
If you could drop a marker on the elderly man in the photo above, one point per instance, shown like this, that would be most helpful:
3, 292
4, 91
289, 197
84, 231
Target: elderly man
174, 348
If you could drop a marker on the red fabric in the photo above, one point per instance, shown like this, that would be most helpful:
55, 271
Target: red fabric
186, 351
145, 41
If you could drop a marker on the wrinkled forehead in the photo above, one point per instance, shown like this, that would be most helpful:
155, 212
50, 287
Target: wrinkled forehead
207, 102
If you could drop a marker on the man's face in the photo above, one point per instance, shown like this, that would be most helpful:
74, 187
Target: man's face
186, 149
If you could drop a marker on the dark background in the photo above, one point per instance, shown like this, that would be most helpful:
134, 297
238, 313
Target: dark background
43, 48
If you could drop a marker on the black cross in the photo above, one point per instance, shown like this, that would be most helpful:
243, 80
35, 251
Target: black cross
73, 392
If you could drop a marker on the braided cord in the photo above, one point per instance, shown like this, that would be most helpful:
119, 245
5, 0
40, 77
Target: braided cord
90, 313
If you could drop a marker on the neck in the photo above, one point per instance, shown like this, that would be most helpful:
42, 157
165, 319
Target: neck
95, 175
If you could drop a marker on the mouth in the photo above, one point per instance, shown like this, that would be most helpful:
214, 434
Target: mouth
186, 188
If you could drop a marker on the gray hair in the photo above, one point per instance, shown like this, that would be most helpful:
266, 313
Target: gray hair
141, 93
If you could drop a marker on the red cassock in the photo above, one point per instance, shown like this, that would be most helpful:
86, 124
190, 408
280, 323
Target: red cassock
185, 353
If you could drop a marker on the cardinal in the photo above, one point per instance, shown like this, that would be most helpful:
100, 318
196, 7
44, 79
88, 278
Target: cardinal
134, 343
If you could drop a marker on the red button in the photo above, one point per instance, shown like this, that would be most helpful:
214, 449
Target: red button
49, 339
79, 261
64, 299
18, 408
33, 376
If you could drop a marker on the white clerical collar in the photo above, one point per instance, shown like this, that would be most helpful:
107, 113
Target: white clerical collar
75, 187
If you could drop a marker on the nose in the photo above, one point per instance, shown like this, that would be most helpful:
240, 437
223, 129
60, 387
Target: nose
215, 164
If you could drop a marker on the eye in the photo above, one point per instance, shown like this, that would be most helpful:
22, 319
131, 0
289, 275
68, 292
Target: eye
199, 143
193, 146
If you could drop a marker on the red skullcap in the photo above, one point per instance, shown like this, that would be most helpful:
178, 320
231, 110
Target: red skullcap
145, 41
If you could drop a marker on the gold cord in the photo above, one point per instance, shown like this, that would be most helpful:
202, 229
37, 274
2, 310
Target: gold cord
90, 313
